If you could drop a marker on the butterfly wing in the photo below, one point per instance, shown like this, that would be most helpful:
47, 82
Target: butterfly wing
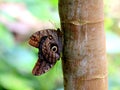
41, 67
47, 41
35, 38
46, 57
50, 51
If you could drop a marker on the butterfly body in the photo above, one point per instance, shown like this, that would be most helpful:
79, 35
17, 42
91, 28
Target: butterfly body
49, 43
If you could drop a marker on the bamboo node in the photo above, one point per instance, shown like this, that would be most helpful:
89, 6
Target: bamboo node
95, 77
82, 22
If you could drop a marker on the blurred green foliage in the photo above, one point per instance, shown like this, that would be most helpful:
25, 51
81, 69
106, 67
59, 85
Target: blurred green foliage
16, 63
18, 58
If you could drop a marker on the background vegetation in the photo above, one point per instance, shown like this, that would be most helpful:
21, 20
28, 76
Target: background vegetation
19, 19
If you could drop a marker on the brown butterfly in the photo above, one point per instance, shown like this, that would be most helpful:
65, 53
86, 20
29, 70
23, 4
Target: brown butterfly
49, 43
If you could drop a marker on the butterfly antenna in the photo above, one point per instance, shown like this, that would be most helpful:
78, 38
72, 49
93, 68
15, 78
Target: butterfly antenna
54, 24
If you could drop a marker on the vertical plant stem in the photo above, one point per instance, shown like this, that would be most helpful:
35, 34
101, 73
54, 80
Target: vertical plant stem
84, 52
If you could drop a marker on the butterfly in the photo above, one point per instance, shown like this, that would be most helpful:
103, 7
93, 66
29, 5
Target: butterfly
49, 43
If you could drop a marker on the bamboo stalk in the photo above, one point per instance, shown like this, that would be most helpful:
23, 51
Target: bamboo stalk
84, 52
